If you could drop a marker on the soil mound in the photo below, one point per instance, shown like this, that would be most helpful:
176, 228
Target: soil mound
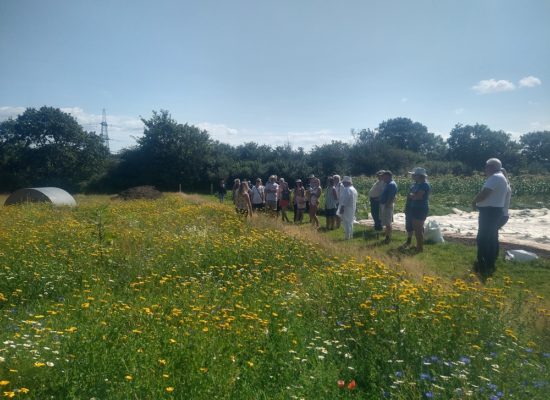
140, 193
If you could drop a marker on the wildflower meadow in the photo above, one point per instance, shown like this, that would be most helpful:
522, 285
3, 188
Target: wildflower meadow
185, 300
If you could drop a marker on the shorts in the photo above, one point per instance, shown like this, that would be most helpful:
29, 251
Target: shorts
330, 212
258, 206
386, 214
414, 214
283, 203
271, 204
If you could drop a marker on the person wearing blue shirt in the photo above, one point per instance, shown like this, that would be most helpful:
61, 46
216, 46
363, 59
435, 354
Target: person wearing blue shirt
387, 201
417, 207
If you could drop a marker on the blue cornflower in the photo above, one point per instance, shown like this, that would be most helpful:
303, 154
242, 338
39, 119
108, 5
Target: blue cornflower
425, 376
429, 395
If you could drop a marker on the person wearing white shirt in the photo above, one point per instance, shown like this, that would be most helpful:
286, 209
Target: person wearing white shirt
258, 195
347, 206
339, 186
490, 202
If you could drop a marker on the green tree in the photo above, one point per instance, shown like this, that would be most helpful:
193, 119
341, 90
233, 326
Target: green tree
371, 153
168, 154
536, 148
329, 159
48, 147
474, 144
404, 134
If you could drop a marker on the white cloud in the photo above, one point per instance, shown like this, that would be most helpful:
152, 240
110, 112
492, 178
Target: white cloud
493, 86
459, 111
539, 126
530, 81
7, 112
218, 131
304, 139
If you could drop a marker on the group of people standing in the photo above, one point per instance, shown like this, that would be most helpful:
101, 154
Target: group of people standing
276, 197
341, 204
382, 204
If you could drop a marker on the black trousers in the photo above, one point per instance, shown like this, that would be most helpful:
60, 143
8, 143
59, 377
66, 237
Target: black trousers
487, 239
375, 212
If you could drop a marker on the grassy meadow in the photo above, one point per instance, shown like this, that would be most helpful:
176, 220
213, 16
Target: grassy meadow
179, 298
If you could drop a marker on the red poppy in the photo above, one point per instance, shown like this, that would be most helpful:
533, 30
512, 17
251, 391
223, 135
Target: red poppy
352, 384
341, 384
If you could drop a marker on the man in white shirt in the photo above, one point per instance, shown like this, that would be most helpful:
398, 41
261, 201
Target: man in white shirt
347, 206
490, 202
271, 191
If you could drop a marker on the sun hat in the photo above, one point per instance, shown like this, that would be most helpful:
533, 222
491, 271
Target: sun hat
381, 172
298, 181
346, 179
388, 172
418, 171
494, 162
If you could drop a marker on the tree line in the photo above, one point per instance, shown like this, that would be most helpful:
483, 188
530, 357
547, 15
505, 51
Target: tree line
47, 147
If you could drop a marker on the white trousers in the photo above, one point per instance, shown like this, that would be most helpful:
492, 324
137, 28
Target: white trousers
347, 222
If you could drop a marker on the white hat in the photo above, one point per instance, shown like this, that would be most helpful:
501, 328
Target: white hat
495, 162
418, 171
346, 179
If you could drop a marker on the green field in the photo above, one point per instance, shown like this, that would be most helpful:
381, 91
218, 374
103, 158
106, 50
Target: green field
179, 298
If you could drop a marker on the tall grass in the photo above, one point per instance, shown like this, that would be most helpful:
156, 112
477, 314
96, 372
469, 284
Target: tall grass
172, 299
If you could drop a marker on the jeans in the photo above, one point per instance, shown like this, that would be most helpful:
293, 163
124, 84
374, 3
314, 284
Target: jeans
487, 239
375, 212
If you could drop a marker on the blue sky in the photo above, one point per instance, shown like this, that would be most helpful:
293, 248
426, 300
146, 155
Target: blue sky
272, 72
